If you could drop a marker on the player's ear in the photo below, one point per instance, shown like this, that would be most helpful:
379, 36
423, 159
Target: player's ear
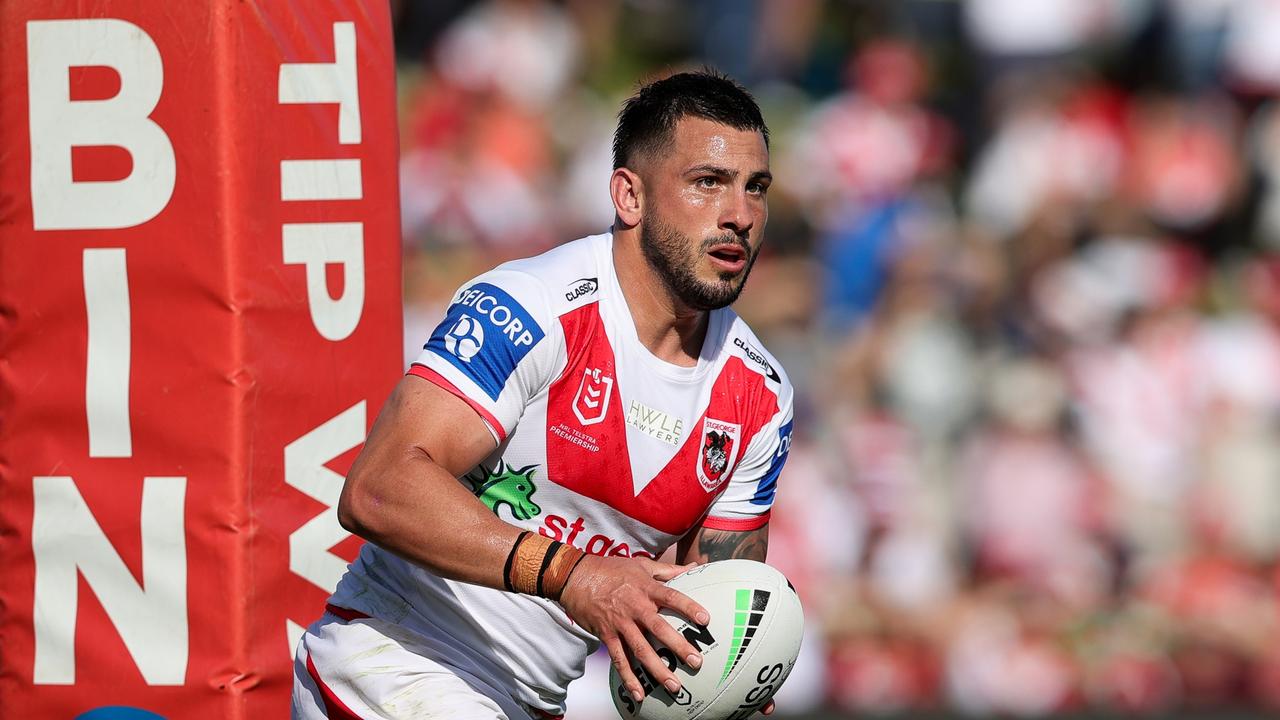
627, 191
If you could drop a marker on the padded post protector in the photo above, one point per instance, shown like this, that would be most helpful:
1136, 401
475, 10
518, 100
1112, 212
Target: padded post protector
200, 313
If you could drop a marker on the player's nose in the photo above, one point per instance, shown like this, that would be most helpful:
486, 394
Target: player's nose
737, 215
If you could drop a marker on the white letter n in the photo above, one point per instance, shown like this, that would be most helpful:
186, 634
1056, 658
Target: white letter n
151, 619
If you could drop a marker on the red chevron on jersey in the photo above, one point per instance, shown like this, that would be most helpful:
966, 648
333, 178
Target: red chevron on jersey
587, 449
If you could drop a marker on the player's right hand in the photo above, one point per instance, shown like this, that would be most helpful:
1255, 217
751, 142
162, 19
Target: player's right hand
618, 599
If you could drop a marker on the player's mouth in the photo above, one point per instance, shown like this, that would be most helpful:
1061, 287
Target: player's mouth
728, 257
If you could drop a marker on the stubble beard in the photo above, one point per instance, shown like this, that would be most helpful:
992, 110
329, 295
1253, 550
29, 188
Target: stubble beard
674, 257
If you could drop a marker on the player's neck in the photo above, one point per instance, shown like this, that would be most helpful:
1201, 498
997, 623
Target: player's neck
670, 330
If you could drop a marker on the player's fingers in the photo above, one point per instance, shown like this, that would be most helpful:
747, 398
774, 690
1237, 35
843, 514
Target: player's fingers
663, 572
767, 709
644, 653
618, 656
662, 631
683, 604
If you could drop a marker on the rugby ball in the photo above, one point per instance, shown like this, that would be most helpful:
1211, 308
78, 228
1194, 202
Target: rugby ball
748, 649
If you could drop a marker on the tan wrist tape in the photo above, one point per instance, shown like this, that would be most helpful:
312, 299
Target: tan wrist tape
540, 566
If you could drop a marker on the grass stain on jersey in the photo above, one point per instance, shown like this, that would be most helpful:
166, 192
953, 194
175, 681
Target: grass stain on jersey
504, 486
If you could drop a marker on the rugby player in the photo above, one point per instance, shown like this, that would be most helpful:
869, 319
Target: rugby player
574, 415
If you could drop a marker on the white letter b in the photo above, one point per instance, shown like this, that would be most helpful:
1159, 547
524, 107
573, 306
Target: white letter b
58, 123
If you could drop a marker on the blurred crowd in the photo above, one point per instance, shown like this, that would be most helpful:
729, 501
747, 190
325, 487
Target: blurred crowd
1023, 267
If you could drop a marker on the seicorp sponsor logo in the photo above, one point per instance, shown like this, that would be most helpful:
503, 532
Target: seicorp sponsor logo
465, 338
581, 288
655, 423
718, 452
485, 334
758, 358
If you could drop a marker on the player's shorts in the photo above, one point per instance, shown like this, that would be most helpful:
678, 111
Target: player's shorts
351, 667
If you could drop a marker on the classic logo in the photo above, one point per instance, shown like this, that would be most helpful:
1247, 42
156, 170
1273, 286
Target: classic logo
580, 288
465, 338
758, 358
592, 401
719, 451
504, 486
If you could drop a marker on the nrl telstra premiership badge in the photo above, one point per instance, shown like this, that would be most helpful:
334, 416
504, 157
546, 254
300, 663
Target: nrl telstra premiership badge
591, 403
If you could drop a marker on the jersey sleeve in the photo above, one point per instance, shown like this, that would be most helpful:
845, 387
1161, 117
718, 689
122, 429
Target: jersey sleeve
748, 498
494, 349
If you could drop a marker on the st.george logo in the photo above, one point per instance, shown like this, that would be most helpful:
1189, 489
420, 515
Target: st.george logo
718, 453
592, 401
465, 338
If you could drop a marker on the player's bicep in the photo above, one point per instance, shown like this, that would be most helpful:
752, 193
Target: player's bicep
420, 426
704, 545
422, 417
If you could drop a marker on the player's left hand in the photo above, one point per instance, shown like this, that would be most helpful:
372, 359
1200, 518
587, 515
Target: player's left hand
618, 601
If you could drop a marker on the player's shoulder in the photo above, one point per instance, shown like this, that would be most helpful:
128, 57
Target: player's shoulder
741, 341
559, 279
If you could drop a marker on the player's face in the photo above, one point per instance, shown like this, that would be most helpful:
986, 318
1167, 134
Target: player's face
705, 211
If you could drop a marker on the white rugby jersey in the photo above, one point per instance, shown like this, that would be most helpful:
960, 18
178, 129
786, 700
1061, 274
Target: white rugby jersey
601, 445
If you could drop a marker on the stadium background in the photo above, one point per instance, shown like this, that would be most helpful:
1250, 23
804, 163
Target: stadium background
1022, 268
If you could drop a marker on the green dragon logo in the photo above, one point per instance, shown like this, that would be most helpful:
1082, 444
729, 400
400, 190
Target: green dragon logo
504, 486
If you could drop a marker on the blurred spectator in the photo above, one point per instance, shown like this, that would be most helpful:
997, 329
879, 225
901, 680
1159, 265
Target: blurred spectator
1032, 507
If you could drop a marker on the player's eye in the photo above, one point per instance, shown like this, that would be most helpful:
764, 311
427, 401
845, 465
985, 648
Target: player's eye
707, 182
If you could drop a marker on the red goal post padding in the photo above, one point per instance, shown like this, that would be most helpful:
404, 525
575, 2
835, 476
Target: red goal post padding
199, 316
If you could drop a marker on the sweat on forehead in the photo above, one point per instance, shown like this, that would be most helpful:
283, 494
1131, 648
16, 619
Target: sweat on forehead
648, 119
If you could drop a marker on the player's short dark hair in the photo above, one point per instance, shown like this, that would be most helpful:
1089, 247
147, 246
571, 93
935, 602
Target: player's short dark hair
648, 118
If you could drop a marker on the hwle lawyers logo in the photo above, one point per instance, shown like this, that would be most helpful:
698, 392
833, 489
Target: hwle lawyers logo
655, 423
486, 334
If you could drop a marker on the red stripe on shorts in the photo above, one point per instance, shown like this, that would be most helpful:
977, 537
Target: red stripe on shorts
333, 707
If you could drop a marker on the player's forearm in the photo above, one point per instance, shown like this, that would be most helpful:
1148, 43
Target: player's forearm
411, 506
